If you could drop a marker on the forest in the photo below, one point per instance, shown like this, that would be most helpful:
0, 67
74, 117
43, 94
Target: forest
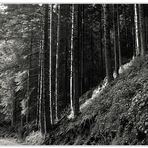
73, 74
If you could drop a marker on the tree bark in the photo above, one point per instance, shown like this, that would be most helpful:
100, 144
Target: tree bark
81, 45
28, 115
41, 97
77, 48
71, 61
57, 65
107, 48
46, 75
74, 98
119, 48
141, 29
136, 31
115, 28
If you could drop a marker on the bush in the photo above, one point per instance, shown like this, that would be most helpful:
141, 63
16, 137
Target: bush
34, 138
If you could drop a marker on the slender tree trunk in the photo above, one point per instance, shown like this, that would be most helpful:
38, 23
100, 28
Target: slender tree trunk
126, 36
41, 101
92, 59
82, 50
28, 115
139, 33
41, 98
77, 48
38, 87
133, 32
107, 48
119, 48
141, 29
115, 28
71, 61
47, 88
66, 66
101, 44
50, 66
136, 31
57, 65
74, 97
146, 31
80, 45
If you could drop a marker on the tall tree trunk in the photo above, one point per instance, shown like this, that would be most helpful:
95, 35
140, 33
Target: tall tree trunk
133, 31
41, 98
141, 29
77, 48
57, 65
46, 75
66, 66
119, 47
125, 24
136, 31
81, 46
28, 115
146, 30
41, 101
107, 48
71, 62
116, 51
38, 87
92, 60
101, 44
74, 99
50, 66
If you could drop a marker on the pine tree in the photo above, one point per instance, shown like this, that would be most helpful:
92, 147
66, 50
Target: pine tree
74, 95
57, 65
46, 87
136, 30
41, 97
115, 29
118, 26
107, 48
71, 61
141, 29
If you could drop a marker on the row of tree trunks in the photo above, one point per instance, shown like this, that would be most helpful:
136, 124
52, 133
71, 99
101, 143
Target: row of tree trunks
45, 103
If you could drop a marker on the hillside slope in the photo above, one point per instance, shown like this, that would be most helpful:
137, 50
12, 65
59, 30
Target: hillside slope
118, 115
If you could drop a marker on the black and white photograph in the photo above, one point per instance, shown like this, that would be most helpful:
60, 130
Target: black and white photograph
73, 74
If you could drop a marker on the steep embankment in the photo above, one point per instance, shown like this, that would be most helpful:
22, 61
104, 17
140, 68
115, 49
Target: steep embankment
118, 115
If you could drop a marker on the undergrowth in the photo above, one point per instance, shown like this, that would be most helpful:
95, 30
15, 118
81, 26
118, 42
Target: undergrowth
119, 115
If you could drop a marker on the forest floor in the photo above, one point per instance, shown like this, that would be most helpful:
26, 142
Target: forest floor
8, 141
8, 137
